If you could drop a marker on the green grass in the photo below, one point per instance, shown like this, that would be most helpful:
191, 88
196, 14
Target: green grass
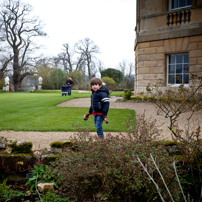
37, 111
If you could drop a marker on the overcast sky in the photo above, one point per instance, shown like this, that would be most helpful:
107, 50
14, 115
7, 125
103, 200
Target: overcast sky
109, 24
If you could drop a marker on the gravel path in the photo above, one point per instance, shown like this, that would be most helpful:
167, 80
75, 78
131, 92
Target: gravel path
43, 139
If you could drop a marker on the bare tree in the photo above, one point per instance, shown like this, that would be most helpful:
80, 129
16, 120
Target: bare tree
55, 61
67, 58
61, 58
128, 69
100, 66
81, 58
18, 30
131, 68
80, 63
71, 60
3, 66
87, 49
122, 66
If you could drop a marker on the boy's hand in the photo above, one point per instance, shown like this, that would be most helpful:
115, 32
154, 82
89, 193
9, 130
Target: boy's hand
86, 117
106, 120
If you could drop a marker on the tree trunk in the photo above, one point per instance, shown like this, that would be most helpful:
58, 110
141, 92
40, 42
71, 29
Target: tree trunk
16, 73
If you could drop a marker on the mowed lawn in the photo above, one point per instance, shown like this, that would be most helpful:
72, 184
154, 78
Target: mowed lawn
37, 111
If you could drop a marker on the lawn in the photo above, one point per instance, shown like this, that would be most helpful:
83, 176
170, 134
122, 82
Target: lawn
37, 111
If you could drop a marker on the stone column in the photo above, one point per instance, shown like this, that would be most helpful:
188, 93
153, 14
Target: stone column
6, 87
40, 83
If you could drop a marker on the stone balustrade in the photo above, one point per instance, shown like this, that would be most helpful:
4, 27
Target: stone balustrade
178, 17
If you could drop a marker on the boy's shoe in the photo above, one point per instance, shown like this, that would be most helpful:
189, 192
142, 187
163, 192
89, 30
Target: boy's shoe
101, 136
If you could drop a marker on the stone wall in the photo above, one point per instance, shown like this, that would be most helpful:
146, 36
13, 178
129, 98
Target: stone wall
151, 59
161, 31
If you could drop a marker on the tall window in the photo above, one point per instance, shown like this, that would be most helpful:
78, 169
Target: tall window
178, 69
175, 4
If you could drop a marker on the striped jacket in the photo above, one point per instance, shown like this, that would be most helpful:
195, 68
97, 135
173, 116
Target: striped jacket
100, 101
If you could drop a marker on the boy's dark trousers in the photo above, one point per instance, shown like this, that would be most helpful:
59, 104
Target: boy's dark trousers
98, 119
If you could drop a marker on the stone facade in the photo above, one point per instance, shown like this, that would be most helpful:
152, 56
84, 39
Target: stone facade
161, 32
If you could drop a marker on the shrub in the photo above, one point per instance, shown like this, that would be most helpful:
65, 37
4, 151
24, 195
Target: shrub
57, 78
68, 144
115, 74
108, 169
172, 103
7, 195
77, 78
109, 82
47, 86
84, 86
25, 147
56, 144
2, 82
127, 94
41, 173
51, 196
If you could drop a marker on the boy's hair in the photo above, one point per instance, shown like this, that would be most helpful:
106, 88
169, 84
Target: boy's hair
95, 81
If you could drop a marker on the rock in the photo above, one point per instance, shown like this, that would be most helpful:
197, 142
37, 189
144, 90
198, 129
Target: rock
44, 186
56, 150
2, 143
20, 143
173, 149
2, 146
10, 141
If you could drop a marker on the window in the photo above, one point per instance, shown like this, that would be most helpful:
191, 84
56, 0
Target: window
178, 69
175, 4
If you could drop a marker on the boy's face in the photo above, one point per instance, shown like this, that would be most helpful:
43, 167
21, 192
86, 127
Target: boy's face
95, 87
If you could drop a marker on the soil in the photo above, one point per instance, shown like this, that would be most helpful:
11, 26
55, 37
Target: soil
43, 139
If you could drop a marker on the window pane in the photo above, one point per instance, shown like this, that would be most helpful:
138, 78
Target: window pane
188, 2
171, 79
186, 78
172, 69
186, 58
178, 68
172, 59
179, 58
186, 68
174, 4
178, 78
182, 3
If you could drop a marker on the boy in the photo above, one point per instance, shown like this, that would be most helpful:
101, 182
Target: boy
99, 105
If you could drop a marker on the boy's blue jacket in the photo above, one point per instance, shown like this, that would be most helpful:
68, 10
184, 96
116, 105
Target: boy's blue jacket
100, 101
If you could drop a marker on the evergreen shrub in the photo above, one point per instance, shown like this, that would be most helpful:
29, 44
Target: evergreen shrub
127, 94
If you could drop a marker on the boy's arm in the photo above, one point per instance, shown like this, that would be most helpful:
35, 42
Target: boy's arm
87, 115
105, 100
90, 110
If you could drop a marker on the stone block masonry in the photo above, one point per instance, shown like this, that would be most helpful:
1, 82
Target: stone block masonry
151, 59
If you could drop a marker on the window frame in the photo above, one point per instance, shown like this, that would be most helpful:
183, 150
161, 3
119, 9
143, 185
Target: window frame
168, 63
172, 9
